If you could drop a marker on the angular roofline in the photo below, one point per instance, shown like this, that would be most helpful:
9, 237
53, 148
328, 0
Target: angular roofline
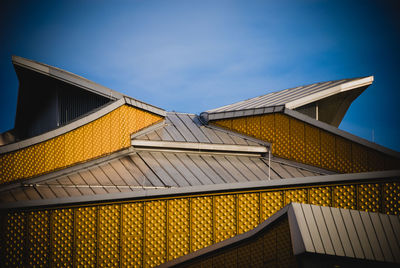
361, 82
191, 190
80, 122
304, 118
351, 83
230, 241
67, 77
316, 239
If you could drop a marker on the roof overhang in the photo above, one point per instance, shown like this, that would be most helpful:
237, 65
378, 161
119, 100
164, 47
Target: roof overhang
362, 82
66, 77
214, 188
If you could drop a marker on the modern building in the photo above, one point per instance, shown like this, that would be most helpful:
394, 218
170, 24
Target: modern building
90, 177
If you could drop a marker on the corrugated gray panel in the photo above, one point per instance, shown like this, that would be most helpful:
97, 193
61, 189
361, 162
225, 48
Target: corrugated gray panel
206, 168
351, 230
383, 242
89, 179
143, 174
258, 172
393, 244
157, 169
183, 130
344, 236
181, 127
244, 170
194, 169
323, 231
223, 174
280, 97
194, 128
123, 173
313, 229
77, 180
179, 166
302, 224
349, 233
362, 235
332, 230
230, 168
395, 221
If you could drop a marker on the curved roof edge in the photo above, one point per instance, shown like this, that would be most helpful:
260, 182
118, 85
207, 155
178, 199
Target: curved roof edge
323, 237
361, 82
297, 96
82, 121
304, 118
67, 77
176, 191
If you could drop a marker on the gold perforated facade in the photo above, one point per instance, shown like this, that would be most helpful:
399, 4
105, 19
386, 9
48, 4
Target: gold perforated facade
102, 136
146, 233
296, 140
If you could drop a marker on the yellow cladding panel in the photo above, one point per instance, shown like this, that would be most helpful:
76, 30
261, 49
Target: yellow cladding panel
85, 237
281, 142
313, 145
38, 238
328, 158
368, 197
106, 134
15, 229
19, 164
225, 217
201, 222
296, 195
344, 197
178, 228
297, 147
97, 138
239, 125
7, 170
69, 148
226, 123
267, 128
132, 235
148, 233
271, 202
253, 126
359, 158
88, 141
62, 237
156, 232
391, 199
376, 161
272, 249
108, 235
102, 136
79, 141
29, 158
115, 130
343, 155
321, 196
248, 212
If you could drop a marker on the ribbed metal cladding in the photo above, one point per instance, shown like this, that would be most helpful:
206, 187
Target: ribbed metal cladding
74, 102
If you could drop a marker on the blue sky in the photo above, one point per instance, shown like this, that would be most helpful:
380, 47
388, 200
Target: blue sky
191, 56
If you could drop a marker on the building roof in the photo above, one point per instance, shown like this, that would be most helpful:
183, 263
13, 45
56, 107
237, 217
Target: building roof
326, 231
138, 170
298, 96
184, 127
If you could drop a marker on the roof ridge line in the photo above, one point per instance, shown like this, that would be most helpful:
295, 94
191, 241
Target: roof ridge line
199, 146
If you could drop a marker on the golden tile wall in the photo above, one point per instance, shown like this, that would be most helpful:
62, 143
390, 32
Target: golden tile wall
149, 232
295, 140
103, 136
62, 237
